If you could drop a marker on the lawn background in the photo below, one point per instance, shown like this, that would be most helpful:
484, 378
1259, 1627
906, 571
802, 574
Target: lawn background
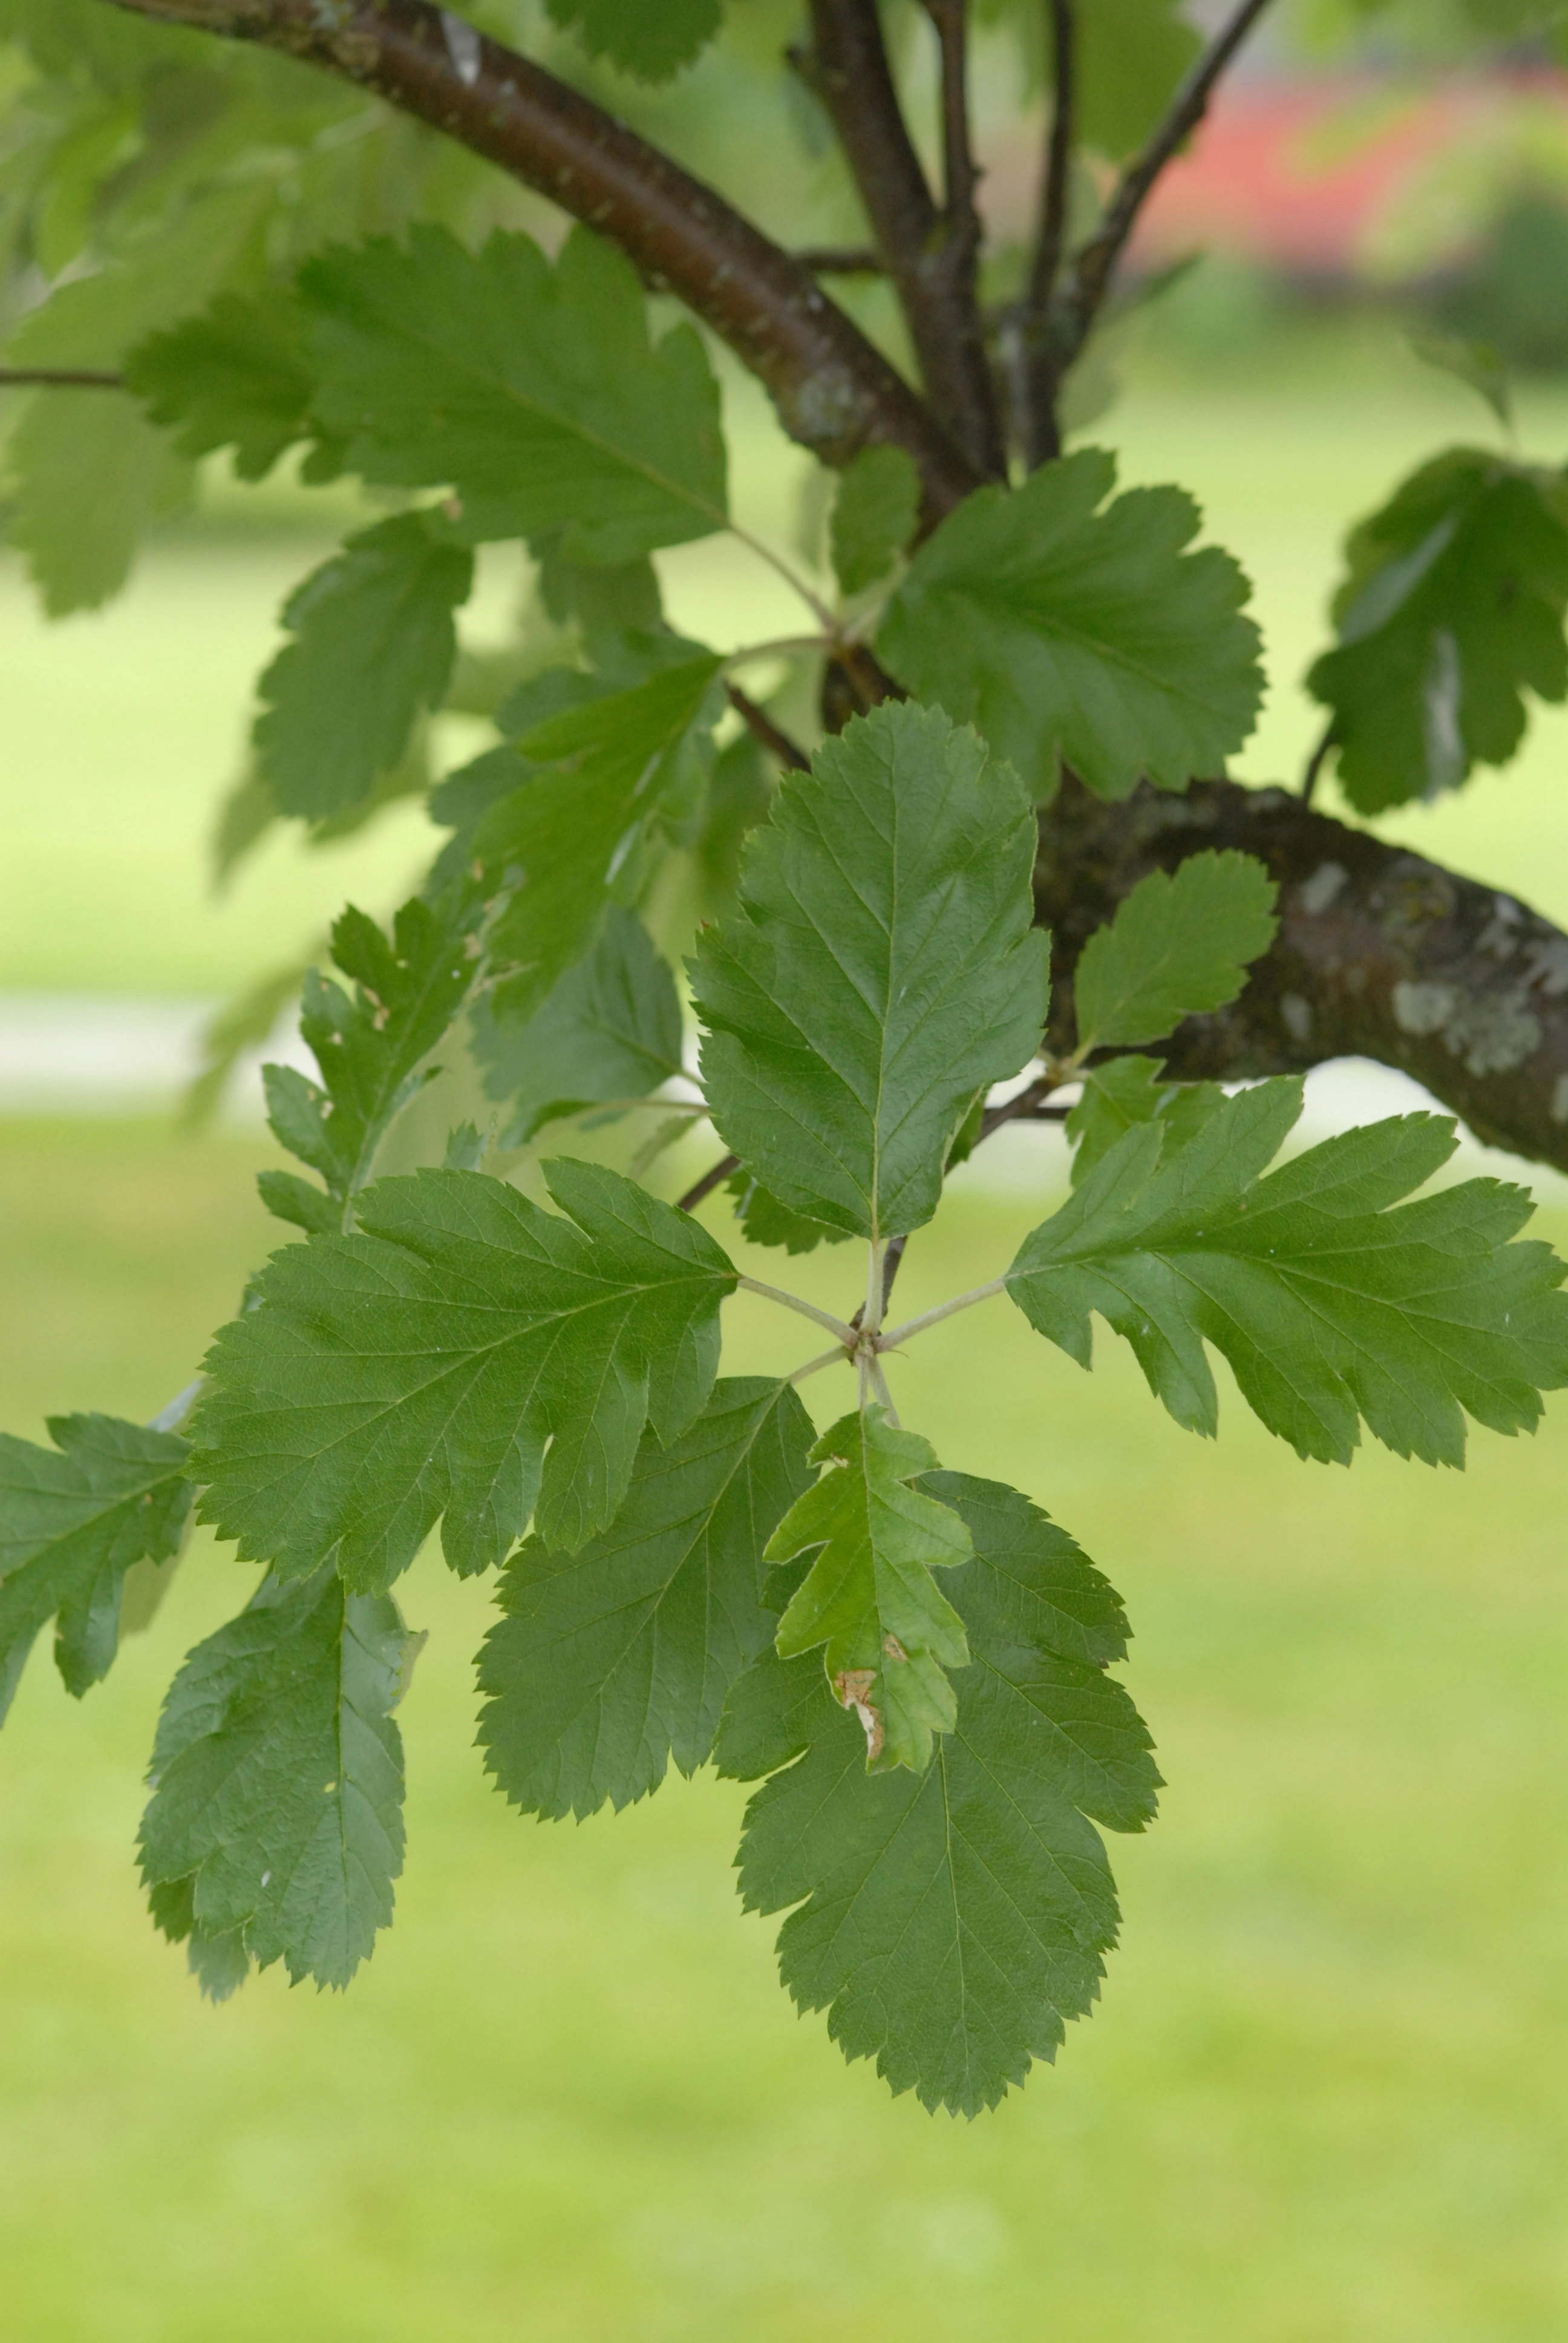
1325, 2100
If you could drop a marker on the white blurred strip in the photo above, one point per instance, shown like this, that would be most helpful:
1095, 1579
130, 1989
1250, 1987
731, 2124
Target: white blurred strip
86, 1053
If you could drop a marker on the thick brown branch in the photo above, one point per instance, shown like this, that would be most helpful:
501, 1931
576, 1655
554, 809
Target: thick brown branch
1381, 954
833, 389
847, 66
1078, 299
841, 260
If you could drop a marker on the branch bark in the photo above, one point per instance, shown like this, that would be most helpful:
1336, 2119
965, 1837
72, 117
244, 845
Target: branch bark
1039, 432
930, 255
1381, 954
834, 391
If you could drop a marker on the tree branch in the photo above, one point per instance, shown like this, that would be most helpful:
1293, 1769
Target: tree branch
847, 67
763, 729
1381, 954
59, 378
1078, 299
834, 391
1039, 432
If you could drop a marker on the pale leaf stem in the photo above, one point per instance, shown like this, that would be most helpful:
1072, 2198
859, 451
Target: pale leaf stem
899, 1335
845, 1333
837, 1355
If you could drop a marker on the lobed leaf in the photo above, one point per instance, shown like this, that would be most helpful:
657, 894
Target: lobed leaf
868, 1598
951, 1922
874, 515
74, 1519
1179, 944
417, 1370
1451, 610
610, 1029
650, 39
533, 391
1129, 1090
236, 374
605, 773
1066, 633
370, 1047
881, 972
274, 1831
611, 1661
374, 640
1333, 1301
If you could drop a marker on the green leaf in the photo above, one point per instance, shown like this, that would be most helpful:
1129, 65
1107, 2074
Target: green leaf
1475, 364
874, 515
1333, 1301
651, 39
370, 1046
1069, 633
610, 1662
767, 1222
1179, 944
419, 1369
74, 1519
532, 391
1129, 1090
882, 970
1452, 609
89, 474
236, 375
274, 1830
607, 773
1131, 56
951, 1921
870, 1596
611, 1029
374, 642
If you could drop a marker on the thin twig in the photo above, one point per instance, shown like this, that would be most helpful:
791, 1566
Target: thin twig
1056, 178
708, 1182
911, 1326
1078, 299
1315, 762
1030, 1104
1038, 427
59, 378
839, 1326
763, 728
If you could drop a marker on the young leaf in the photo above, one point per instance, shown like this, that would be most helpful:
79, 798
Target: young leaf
767, 1222
882, 970
74, 1519
1129, 1090
370, 1047
1131, 55
1453, 608
374, 642
419, 1369
532, 391
870, 1596
236, 375
609, 770
951, 1921
650, 39
1475, 364
874, 515
611, 1029
1331, 1300
1068, 633
610, 1662
274, 1830
1180, 943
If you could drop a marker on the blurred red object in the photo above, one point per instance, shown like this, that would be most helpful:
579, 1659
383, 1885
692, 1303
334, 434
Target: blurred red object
1298, 174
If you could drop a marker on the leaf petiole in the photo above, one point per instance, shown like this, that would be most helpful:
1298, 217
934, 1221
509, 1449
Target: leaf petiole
846, 1334
900, 1334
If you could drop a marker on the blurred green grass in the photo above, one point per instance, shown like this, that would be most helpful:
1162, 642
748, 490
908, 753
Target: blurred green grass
1325, 2099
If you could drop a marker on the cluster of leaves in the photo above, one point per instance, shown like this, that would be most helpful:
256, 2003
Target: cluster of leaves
909, 1661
